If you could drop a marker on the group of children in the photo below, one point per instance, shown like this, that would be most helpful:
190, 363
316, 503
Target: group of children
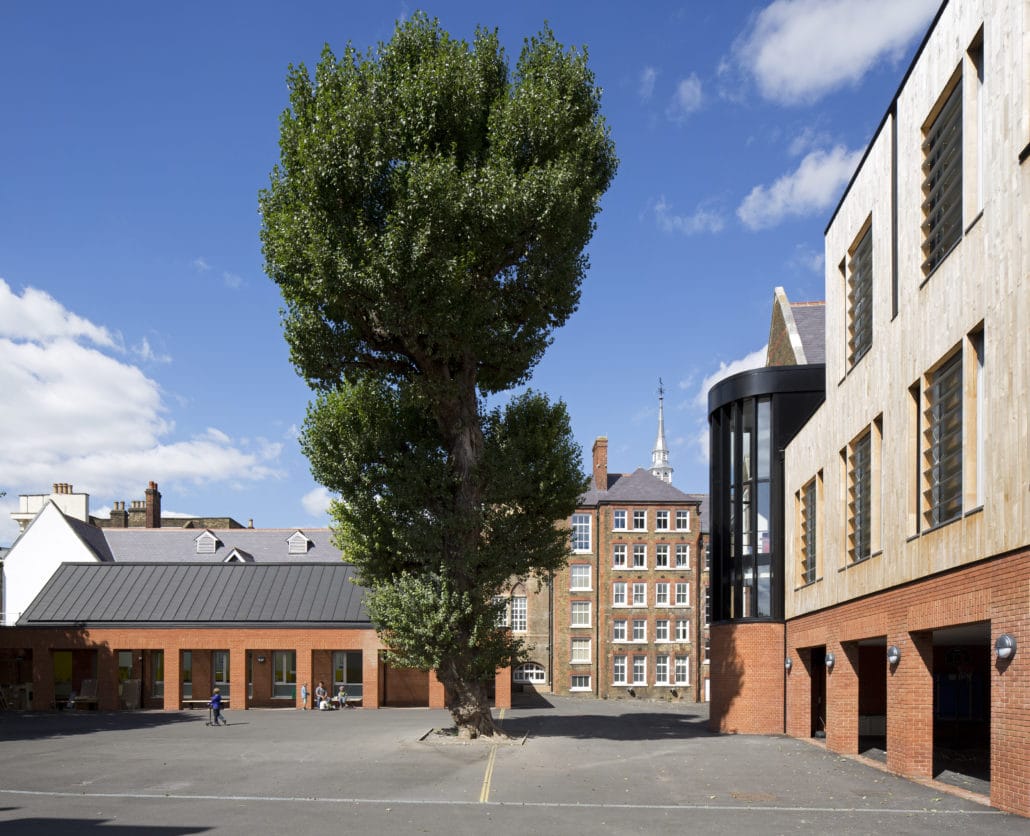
322, 701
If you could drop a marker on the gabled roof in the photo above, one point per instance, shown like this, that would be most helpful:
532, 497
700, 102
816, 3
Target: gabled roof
169, 545
223, 594
90, 535
810, 321
640, 486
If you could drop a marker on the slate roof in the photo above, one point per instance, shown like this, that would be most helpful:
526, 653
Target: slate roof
640, 486
92, 536
810, 319
199, 595
702, 511
170, 545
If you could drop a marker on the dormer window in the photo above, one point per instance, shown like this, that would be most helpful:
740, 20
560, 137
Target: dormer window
299, 543
207, 543
239, 556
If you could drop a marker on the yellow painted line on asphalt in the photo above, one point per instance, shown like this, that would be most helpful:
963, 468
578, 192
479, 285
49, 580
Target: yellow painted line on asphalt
484, 793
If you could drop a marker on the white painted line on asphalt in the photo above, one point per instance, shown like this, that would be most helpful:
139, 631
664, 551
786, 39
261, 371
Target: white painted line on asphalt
277, 799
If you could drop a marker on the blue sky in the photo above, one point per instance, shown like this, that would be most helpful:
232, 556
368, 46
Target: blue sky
140, 338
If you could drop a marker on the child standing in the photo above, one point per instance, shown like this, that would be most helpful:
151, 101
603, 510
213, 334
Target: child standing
304, 696
216, 709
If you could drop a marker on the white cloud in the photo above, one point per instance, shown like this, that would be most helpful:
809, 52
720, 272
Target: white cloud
232, 280
808, 259
200, 264
702, 219
147, 354
754, 360
648, 76
800, 50
316, 502
75, 413
686, 99
816, 182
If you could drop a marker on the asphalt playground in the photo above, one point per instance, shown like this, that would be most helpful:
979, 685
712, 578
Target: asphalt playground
567, 766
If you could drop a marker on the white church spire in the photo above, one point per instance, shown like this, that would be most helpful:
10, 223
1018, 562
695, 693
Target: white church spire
660, 455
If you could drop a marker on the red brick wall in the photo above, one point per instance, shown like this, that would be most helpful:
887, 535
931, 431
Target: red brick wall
995, 591
747, 678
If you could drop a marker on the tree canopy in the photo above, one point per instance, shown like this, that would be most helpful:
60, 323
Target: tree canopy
426, 226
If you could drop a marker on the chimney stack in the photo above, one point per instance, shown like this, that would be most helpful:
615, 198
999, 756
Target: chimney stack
601, 463
119, 516
153, 500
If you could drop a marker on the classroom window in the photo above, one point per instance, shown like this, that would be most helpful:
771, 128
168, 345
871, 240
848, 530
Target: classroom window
661, 556
619, 630
580, 651
639, 594
639, 556
579, 576
661, 520
942, 180
580, 614
581, 532
518, 613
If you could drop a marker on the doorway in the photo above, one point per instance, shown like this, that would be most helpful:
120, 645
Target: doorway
817, 668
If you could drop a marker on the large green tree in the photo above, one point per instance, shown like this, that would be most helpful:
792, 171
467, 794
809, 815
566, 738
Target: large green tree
426, 226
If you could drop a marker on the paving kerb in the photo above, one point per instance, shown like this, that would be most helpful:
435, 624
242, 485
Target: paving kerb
617, 766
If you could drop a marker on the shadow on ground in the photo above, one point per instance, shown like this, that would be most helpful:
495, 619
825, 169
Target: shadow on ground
39, 726
629, 726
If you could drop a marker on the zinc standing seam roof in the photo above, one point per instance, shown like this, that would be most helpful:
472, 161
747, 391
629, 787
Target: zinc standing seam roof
165, 594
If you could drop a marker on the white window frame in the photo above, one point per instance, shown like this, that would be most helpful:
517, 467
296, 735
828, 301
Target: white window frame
576, 583
619, 669
640, 670
583, 679
683, 555
519, 613
683, 519
661, 594
683, 630
619, 630
639, 555
639, 630
532, 672
661, 630
580, 652
661, 556
682, 669
682, 593
640, 520
619, 515
576, 614
661, 669
639, 594
581, 524
661, 520
619, 555
503, 617
619, 594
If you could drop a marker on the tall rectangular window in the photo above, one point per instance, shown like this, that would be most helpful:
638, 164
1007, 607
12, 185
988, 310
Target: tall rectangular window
860, 498
619, 630
640, 595
518, 613
808, 532
860, 297
619, 520
580, 651
683, 630
661, 630
942, 180
942, 467
157, 673
661, 520
640, 520
640, 670
682, 593
661, 669
581, 532
640, 629
502, 613
708, 605
284, 674
639, 556
981, 414
683, 555
661, 594
186, 668
580, 614
579, 576
619, 556
661, 556
220, 662
682, 670
619, 594
683, 520
619, 669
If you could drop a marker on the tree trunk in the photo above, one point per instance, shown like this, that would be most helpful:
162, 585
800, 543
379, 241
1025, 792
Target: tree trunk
469, 706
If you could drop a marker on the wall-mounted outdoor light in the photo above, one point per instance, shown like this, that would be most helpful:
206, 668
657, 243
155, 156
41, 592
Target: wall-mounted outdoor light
1005, 646
830, 659
787, 664
261, 658
893, 654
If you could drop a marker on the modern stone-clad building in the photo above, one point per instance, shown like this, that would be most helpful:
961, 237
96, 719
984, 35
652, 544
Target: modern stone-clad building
893, 609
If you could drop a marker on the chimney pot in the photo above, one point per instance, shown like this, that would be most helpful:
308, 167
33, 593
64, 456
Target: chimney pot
56, 486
